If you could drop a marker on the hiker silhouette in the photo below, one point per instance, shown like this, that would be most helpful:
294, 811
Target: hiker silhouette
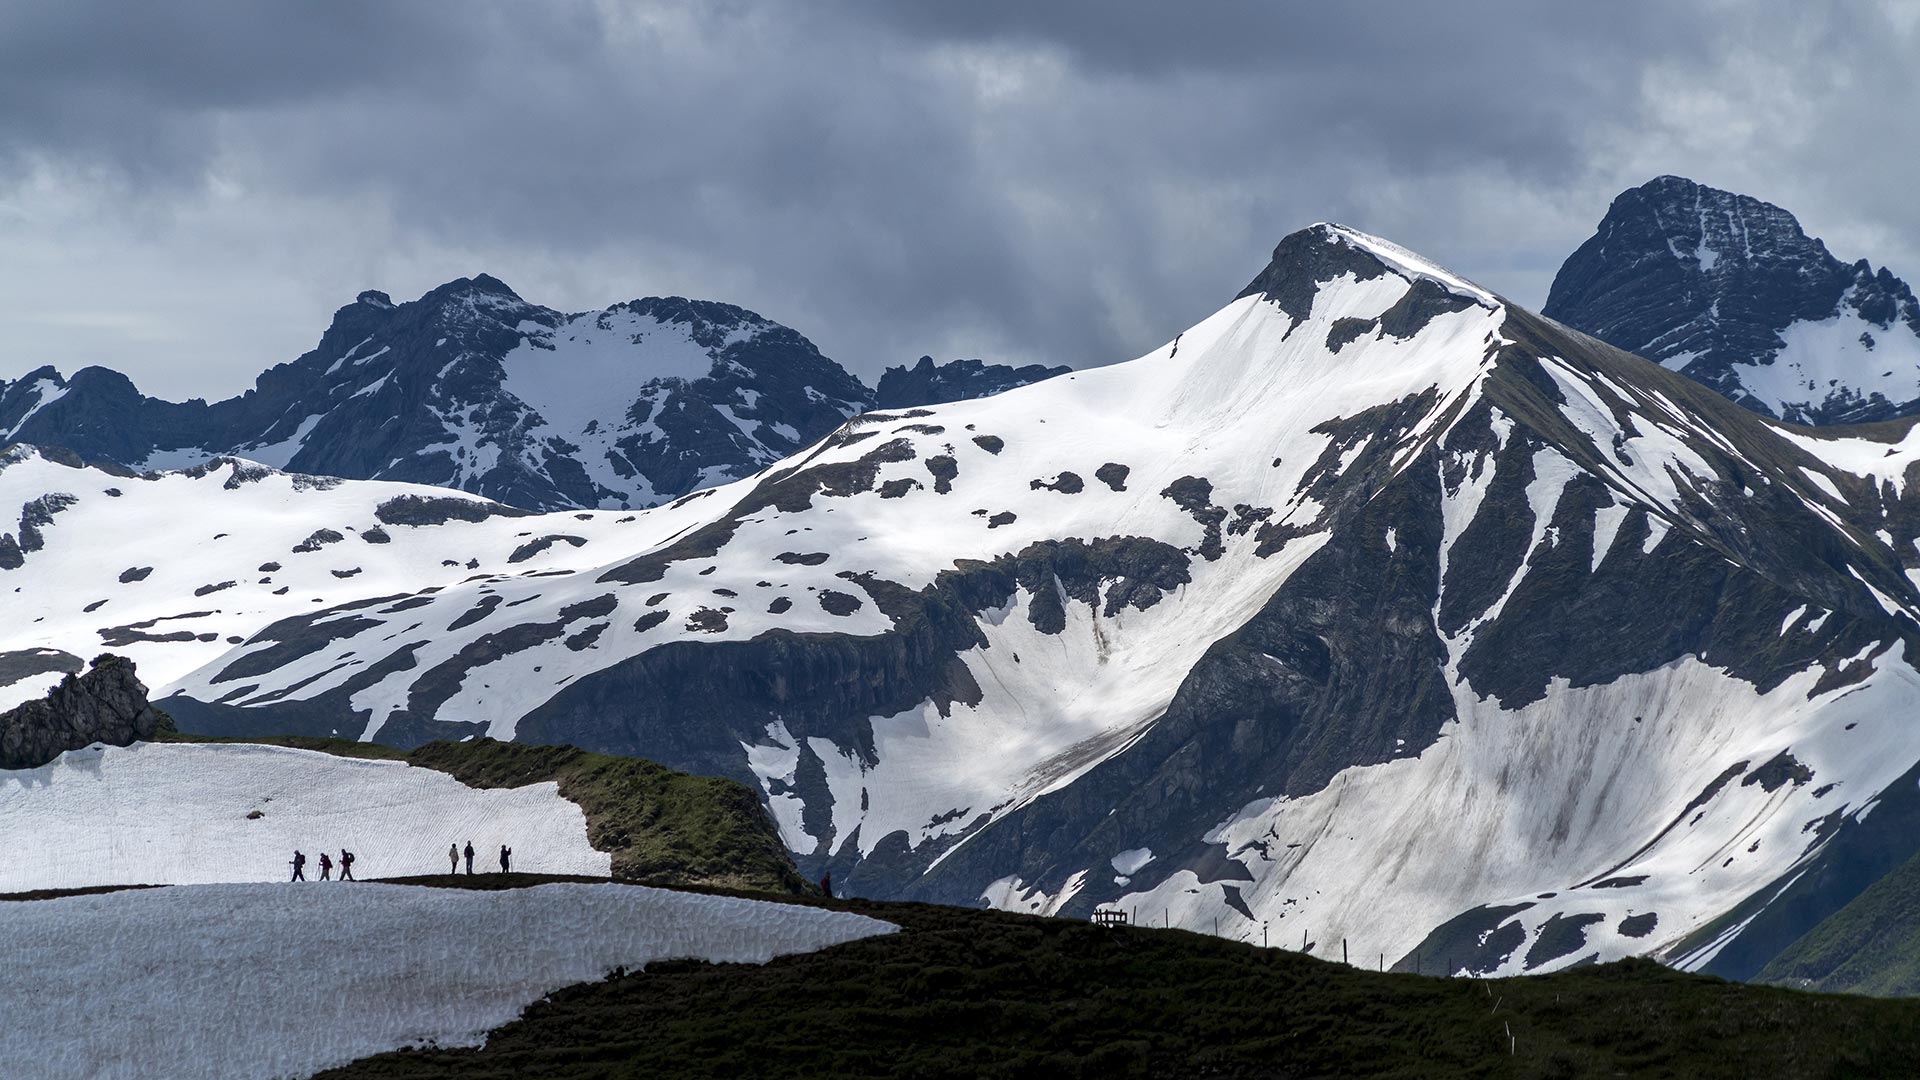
326, 867
453, 858
506, 853
346, 865
299, 861
469, 856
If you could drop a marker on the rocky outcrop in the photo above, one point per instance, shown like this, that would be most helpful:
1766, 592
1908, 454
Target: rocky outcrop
108, 704
928, 383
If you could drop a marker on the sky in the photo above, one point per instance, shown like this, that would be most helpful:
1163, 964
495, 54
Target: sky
189, 190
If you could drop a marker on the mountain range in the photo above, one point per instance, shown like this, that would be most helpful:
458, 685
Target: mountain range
471, 387
1375, 609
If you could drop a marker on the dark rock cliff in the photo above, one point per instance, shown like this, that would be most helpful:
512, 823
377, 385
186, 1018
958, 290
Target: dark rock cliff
107, 704
928, 383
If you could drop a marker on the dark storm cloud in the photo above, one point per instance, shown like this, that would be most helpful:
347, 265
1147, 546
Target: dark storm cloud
1064, 182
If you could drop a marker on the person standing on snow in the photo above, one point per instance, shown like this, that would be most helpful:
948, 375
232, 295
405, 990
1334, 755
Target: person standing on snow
346, 865
505, 854
326, 867
469, 856
453, 858
299, 861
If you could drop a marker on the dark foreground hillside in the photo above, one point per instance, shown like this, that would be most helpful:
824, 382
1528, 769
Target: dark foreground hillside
962, 993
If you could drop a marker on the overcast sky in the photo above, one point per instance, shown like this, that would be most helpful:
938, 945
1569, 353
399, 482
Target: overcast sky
189, 189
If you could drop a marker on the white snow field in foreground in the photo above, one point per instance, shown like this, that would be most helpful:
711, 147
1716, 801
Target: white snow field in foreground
176, 813
270, 981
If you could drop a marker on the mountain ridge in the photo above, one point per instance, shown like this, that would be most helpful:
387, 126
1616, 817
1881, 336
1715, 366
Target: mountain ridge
472, 387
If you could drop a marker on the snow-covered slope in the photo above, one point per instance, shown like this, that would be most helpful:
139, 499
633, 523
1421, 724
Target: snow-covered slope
157, 813
1372, 607
271, 981
1728, 290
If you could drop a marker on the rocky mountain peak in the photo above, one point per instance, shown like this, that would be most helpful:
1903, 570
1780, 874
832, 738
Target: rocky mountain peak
1731, 291
479, 284
1314, 256
1305, 258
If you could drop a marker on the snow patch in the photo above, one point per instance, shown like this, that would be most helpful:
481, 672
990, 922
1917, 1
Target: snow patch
269, 981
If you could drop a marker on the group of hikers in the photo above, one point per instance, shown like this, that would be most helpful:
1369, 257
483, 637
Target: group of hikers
326, 866
454, 854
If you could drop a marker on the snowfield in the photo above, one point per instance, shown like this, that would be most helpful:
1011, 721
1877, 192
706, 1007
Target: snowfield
261, 982
178, 813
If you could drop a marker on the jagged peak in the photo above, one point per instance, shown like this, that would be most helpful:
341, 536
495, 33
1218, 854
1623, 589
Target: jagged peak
1320, 253
1679, 204
681, 309
98, 378
44, 372
479, 285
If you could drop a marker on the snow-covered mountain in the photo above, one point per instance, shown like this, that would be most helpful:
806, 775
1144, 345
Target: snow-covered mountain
471, 387
1730, 291
1371, 607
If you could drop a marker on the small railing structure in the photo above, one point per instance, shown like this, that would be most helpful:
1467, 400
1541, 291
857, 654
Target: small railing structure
1109, 917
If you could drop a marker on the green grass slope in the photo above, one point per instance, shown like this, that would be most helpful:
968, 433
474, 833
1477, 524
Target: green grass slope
660, 826
1870, 946
967, 993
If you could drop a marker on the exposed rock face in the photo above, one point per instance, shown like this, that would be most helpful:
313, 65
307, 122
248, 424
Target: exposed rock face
108, 704
928, 383
1729, 290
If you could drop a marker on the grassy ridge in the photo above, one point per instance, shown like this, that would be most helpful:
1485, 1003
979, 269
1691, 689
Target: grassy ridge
1870, 946
660, 826
966, 993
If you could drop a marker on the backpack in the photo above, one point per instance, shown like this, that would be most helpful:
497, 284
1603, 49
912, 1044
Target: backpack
346, 858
